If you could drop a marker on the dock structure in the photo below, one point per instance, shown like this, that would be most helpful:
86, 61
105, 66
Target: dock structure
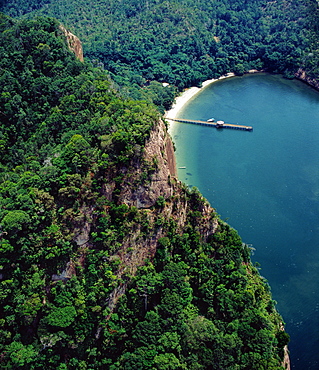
218, 124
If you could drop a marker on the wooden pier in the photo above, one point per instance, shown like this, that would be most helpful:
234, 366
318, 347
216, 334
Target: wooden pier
218, 124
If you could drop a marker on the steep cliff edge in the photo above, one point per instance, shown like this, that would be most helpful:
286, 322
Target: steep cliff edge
164, 225
74, 43
160, 197
159, 155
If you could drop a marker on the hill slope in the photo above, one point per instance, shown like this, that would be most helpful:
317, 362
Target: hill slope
107, 261
184, 42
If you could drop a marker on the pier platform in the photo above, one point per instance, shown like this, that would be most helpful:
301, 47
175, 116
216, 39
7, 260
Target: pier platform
218, 124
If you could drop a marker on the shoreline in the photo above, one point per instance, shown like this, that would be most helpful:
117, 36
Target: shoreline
189, 93
178, 105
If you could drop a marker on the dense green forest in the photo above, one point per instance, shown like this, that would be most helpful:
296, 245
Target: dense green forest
106, 262
145, 43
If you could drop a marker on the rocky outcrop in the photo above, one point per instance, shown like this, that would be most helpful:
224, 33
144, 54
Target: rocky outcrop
159, 154
74, 43
144, 195
286, 362
302, 75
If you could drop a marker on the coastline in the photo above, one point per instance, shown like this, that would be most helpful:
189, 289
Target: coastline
187, 95
178, 105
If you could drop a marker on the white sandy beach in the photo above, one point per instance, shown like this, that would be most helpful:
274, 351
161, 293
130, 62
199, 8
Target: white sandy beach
188, 94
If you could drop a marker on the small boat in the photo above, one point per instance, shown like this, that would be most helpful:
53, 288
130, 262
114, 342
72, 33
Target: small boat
220, 124
182, 168
211, 120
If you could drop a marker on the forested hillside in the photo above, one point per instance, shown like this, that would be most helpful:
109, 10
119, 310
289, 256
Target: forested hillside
185, 42
106, 260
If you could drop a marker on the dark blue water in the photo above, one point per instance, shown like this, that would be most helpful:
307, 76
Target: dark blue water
265, 184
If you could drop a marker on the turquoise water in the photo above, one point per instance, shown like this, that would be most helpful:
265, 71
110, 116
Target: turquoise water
265, 184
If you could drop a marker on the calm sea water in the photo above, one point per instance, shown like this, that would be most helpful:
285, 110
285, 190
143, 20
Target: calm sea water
265, 184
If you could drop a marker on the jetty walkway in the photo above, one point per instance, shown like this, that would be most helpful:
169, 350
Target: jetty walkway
218, 124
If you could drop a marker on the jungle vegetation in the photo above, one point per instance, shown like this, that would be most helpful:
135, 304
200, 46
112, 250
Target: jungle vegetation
143, 43
73, 135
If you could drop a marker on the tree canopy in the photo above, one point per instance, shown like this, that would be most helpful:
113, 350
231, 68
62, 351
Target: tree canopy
184, 42
89, 278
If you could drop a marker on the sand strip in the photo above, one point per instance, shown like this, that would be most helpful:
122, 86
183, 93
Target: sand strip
181, 100
188, 94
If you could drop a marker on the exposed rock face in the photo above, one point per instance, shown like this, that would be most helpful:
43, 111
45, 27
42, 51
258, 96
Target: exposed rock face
159, 152
144, 195
286, 362
74, 43
302, 75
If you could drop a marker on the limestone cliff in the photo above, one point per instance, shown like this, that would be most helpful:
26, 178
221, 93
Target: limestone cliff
74, 43
286, 362
159, 153
144, 195
158, 161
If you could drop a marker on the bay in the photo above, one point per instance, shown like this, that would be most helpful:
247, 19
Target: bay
265, 184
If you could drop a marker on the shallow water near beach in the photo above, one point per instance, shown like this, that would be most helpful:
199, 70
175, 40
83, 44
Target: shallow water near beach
265, 184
